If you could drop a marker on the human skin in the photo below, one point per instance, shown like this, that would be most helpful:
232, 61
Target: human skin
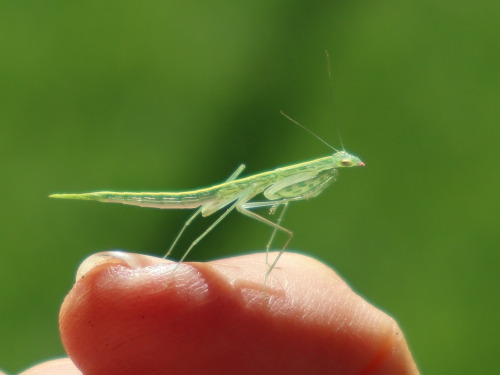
133, 314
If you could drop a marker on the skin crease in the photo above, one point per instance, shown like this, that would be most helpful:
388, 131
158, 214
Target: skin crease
130, 314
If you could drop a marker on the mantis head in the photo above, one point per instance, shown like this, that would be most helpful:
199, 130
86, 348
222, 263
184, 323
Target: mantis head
344, 159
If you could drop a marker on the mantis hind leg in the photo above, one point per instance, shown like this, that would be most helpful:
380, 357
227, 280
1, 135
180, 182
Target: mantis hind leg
201, 236
236, 203
186, 224
233, 176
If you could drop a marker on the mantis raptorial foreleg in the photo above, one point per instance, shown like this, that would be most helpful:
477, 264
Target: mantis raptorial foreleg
233, 177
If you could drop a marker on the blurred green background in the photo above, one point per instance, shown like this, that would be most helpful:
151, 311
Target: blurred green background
157, 95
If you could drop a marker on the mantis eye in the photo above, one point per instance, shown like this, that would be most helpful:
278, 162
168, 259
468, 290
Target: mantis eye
345, 163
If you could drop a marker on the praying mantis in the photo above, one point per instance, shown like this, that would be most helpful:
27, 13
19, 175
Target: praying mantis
278, 187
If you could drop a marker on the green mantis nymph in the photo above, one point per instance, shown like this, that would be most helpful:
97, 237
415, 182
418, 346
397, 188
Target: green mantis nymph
278, 187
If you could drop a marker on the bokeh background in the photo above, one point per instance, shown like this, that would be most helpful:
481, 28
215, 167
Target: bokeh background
169, 95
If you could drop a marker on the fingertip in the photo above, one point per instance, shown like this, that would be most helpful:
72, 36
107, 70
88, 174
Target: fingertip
131, 313
116, 257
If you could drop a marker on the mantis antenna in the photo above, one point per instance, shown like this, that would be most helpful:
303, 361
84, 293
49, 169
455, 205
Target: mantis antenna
308, 130
330, 80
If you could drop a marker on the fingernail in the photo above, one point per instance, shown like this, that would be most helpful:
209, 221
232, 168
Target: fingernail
129, 260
